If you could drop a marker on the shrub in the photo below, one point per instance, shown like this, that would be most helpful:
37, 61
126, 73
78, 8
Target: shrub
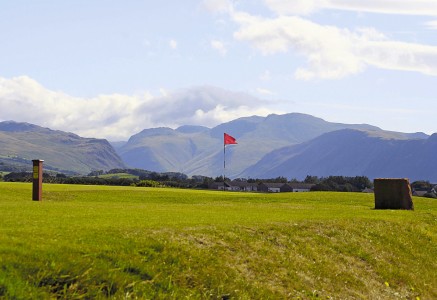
430, 195
148, 183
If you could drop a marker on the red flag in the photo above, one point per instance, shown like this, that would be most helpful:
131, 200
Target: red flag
229, 140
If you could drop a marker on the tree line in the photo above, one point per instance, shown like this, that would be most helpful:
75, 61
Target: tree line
144, 178
180, 180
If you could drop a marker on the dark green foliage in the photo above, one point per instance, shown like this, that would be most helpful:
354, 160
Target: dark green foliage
96, 173
220, 179
430, 195
18, 177
341, 183
424, 186
148, 183
179, 180
421, 185
311, 179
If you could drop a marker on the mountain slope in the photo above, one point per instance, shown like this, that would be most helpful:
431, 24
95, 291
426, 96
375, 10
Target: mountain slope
291, 145
63, 151
200, 150
351, 153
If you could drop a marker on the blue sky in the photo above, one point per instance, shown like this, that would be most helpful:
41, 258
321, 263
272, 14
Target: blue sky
112, 68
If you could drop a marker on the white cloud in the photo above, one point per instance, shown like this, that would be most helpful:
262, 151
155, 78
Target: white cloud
295, 7
117, 117
218, 6
225, 114
401, 56
305, 7
328, 50
173, 44
146, 43
265, 92
163, 92
416, 7
206, 106
25, 100
432, 25
265, 76
333, 52
219, 46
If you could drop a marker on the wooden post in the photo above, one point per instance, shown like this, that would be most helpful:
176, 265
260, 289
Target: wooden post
37, 180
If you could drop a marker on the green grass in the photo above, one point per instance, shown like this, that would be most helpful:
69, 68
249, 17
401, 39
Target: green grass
124, 242
118, 175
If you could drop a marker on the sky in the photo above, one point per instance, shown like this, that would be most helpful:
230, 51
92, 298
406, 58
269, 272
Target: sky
109, 69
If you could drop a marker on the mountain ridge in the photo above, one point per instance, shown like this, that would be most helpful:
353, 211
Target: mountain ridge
197, 152
292, 145
62, 151
351, 152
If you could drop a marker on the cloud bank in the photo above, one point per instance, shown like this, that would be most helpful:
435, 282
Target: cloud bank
117, 117
219, 46
333, 52
398, 7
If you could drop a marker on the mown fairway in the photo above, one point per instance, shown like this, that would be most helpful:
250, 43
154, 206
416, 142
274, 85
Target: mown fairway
125, 242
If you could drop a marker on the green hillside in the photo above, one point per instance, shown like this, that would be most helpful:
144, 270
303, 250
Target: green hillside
128, 243
61, 151
199, 150
375, 154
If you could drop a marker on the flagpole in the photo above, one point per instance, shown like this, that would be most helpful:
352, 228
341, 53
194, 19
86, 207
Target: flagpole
224, 163
227, 140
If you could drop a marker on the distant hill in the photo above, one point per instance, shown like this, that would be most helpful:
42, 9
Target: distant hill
62, 151
292, 145
197, 150
351, 153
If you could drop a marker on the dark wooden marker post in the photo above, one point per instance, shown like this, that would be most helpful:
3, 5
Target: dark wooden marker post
37, 180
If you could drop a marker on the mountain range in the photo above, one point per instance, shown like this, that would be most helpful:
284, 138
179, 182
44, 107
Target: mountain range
62, 151
350, 153
291, 145
199, 150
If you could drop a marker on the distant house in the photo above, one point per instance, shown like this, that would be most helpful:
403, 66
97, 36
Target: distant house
271, 187
236, 186
434, 189
296, 187
217, 186
419, 193
267, 187
243, 186
367, 190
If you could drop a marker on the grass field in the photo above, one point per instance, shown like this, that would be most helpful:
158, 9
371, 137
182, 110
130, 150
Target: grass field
85, 242
118, 175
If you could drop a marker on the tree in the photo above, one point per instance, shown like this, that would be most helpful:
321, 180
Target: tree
18, 177
96, 173
281, 179
430, 195
311, 179
421, 185
148, 183
361, 182
220, 179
